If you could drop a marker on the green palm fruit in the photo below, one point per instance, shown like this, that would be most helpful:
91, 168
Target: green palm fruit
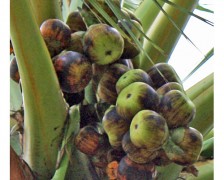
168, 87
76, 43
74, 71
184, 145
148, 130
14, 70
133, 75
103, 44
130, 48
56, 34
163, 73
136, 97
73, 98
177, 109
75, 22
136, 154
115, 126
127, 169
88, 140
106, 90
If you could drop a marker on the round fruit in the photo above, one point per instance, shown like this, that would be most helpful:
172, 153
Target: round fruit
136, 97
168, 87
163, 73
74, 71
136, 154
127, 169
75, 22
107, 86
148, 130
133, 75
177, 108
88, 140
184, 146
115, 127
103, 44
57, 35
76, 42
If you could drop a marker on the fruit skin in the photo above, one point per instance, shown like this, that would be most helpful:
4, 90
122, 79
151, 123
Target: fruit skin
136, 97
115, 127
136, 154
103, 44
14, 70
75, 22
74, 71
56, 34
133, 75
148, 130
129, 170
184, 145
88, 140
168, 72
106, 89
131, 50
76, 43
168, 87
177, 109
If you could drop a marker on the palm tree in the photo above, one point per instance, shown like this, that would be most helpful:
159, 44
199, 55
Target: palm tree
50, 125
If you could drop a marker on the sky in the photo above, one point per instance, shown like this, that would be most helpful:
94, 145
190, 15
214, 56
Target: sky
185, 56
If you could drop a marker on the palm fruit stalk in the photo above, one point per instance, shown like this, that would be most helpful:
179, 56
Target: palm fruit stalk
203, 98
45, 108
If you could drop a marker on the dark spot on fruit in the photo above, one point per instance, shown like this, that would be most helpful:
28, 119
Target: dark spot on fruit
55, 128
128, 96
193, 137
108, 53
124, 77
136, 126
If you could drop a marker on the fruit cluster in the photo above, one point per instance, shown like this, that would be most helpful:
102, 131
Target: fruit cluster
146, 122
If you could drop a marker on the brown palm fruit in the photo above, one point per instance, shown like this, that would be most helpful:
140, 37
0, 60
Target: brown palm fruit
106, 89
75, 22
129, 170
184, 145
133, 75
115, 127
177, 109
11, 48
163, 73
136, 97
103, 44
56, 34
74, 71
76, 43
168, 87
136, 154
131, 50
73, 98
148, 130
88, 140
14, 70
